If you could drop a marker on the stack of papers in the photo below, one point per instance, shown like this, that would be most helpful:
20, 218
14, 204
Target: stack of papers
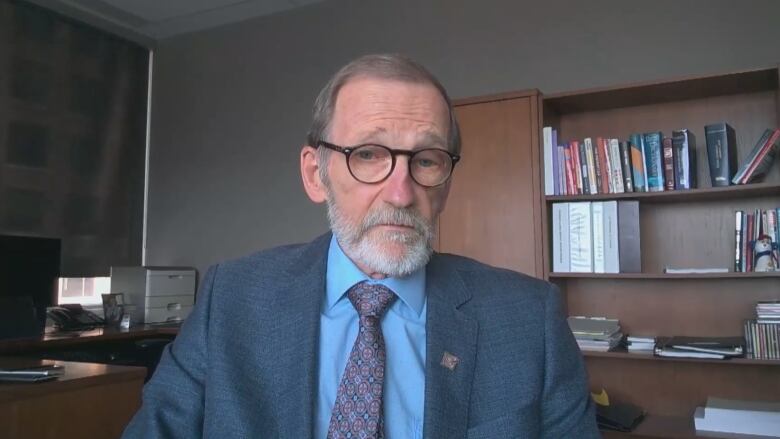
741, 417
701, 347
595, 333
641, 344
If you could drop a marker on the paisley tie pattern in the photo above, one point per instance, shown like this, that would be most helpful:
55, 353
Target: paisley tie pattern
357, 412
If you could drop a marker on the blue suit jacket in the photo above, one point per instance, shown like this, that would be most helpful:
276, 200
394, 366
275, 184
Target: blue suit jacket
244, 364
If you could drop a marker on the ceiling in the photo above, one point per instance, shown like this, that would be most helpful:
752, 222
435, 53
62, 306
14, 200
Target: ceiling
147, 21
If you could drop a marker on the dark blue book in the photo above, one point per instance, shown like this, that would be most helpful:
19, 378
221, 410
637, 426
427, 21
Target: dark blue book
721, 153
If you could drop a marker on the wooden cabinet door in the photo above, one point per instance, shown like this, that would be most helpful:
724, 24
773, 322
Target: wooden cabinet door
493, 213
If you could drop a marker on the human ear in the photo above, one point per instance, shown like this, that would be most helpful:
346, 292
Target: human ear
310, 173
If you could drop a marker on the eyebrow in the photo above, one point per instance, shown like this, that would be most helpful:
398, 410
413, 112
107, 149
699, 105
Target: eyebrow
426, 139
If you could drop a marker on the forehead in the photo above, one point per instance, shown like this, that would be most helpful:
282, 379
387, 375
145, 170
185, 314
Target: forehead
367, 104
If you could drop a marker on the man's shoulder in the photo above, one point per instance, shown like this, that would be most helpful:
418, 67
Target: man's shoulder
278, 260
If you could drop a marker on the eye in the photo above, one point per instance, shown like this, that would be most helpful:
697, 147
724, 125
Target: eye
365, 154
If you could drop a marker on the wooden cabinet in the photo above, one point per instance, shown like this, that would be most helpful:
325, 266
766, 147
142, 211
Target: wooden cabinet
693, 228
494, 211
497, 213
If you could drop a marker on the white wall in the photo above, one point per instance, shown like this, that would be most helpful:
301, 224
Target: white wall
231, 105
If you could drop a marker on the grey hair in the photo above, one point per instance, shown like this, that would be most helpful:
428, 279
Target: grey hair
383, 66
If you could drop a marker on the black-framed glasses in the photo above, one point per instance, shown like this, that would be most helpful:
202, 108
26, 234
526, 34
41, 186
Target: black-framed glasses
370, 163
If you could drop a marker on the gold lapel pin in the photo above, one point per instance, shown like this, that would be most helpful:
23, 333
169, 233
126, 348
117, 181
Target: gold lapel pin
449, 361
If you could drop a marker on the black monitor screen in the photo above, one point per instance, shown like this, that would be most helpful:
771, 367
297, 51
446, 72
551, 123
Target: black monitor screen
30, 266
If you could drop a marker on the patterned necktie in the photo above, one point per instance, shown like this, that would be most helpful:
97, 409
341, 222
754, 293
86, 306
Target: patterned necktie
357, 412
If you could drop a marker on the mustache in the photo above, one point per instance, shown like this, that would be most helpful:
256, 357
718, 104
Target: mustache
406, 217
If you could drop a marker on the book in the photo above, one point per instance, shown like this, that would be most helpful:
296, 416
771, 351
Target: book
549, 177
668, 153
607, 187
738, 247
721, 153
611, 237
728, 346
629, 252
684, 145
571, 185
593, 326
585, 174
615, 163
597, 222
32, 373
580, 239
753, 418
574, 146
750, 157
625, 155
638, 163
561, 255
760, 164
591, 161
670, 270
654, 162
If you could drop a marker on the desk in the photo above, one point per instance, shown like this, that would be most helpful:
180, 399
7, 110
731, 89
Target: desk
89, 401
63, 339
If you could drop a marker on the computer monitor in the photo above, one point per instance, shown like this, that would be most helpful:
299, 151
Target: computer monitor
30, 266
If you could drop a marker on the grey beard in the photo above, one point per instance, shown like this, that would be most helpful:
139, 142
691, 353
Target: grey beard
358, 245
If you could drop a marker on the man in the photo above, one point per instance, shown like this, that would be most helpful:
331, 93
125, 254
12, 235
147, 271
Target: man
367, 333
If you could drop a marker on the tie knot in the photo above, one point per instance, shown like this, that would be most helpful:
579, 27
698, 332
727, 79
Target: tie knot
370, 299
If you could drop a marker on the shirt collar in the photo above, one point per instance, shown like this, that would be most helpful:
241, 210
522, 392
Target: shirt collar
342, 274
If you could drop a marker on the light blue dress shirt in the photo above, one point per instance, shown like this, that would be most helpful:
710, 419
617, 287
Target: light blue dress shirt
403, 328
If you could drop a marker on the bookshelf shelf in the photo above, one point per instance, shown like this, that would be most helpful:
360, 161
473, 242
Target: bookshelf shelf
729, 275
624, 355
683, 228
701, 194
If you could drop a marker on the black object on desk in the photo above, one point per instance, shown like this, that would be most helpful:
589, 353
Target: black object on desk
619, 417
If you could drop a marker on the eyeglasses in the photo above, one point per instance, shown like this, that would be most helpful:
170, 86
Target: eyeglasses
369, 163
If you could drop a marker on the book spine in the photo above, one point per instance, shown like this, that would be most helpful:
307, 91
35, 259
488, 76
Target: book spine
721, 153
762, 162
625, 154
591, 161
606, 170
584, 170
629, 243
611, 250
561, 237
549, 179
597, 222
580, 240
752, 156
638, 163
616, 165
668, 164
557, 160
597, 165
683, 145
654, 162
575, 157
571, 186
738, 238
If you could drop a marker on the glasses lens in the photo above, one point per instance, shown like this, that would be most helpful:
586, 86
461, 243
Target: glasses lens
431, 167
370, 163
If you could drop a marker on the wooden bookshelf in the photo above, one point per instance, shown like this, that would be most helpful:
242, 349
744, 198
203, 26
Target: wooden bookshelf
685, 229
683, 196
497, 212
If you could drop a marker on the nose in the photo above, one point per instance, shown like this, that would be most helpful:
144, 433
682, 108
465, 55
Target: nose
399, 186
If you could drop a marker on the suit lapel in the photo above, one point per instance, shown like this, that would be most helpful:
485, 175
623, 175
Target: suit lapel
295, 350
447, 390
